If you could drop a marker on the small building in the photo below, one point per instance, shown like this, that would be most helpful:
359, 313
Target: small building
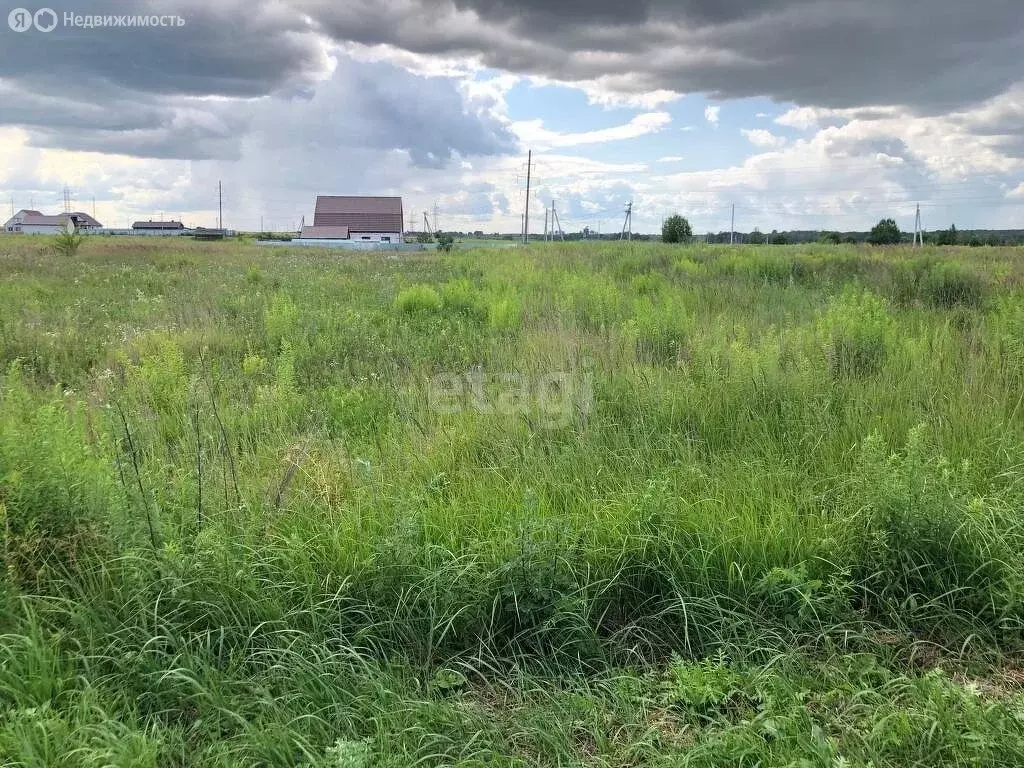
30, 222
357, 219
151, 227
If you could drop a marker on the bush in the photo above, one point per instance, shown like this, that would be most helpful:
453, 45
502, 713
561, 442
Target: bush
67, 244
856, 329
885, 232
676, 229
445, 242
418, 298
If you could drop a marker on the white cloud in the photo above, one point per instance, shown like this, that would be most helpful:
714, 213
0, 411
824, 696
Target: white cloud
671, 159
761, 114
534, 134
802, 118
1017, 193
711, 114
759, 137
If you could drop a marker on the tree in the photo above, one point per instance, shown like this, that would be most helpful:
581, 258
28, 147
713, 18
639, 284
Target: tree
445, 242
778, 238
424, 237
830, 238
885, 232
947, 236
676, 229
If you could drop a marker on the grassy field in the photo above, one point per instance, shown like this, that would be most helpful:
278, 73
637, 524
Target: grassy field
580, 505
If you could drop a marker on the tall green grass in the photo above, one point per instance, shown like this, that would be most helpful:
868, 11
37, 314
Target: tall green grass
235, 532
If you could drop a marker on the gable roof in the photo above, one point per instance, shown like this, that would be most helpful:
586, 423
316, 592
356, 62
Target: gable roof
359, 214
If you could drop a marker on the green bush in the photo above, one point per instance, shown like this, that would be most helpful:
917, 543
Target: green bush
418, 298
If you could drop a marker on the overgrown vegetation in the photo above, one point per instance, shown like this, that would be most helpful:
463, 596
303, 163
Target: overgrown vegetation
778, 524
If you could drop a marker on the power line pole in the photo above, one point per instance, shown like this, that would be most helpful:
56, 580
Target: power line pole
426, 224
67, 200
220, 206
732, 226
435, 216
94, 206
545, 222
555, 222
918, 232
627, 224
526, 214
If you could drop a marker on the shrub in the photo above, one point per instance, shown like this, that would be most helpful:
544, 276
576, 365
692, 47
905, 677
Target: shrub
67, 244
418, 298
855, 329
885, 232
676, 229
445, 242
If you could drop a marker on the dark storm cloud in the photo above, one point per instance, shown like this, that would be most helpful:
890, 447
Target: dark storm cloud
147, 92
931, 55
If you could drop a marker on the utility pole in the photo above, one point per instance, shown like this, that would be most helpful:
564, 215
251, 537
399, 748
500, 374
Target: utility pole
94, 206
555, 222
627, 224
435, 216
732, 226
426, 224
67, 200
918, 232
545, 222
220, 206
526, 215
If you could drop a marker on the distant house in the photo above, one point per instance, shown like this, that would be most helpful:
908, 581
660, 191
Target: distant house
35, 223
359, 219
158, 227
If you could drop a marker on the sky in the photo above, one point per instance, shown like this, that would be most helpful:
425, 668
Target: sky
803, 114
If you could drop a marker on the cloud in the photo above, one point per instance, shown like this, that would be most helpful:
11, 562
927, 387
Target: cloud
711, 114
828, 53
1017, 193
671, 159
534, 134
759, 137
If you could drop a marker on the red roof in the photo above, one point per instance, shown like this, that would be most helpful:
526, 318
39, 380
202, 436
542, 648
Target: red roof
359, 214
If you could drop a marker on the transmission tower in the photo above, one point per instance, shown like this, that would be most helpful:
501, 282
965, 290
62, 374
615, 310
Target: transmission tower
918, 232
